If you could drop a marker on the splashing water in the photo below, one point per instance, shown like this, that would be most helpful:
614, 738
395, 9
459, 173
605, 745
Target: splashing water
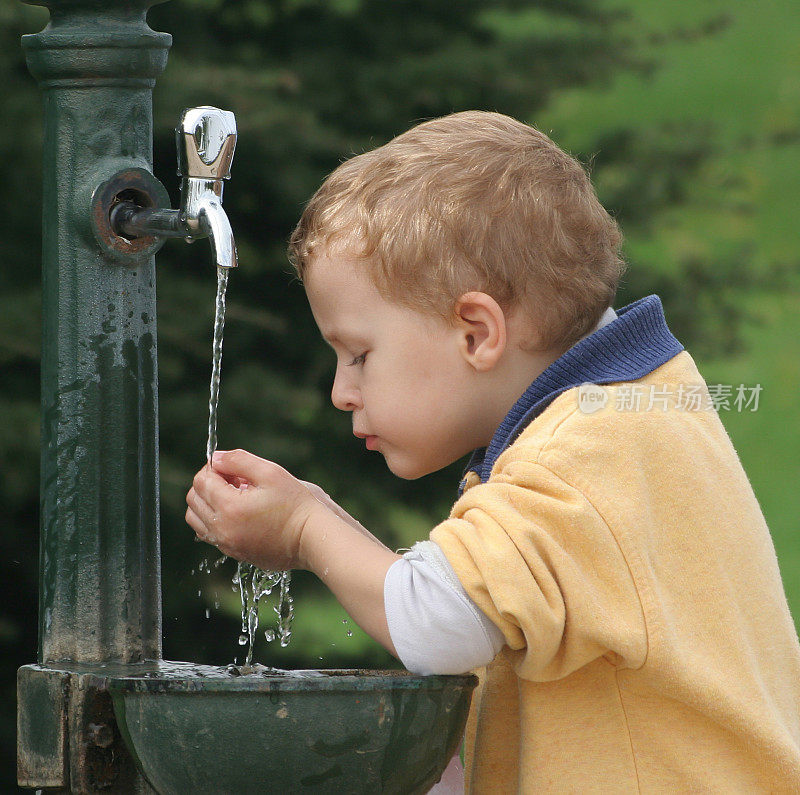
253, 583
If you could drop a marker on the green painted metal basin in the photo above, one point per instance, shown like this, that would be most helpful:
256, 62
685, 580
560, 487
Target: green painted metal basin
197, 729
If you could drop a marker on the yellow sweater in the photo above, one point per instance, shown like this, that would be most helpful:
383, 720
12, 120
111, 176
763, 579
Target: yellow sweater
649, 646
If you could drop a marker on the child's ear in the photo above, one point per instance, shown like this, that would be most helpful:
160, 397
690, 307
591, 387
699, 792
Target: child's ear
482, 334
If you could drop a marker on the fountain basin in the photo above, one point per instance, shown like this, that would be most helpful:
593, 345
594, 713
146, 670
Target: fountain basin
193, 728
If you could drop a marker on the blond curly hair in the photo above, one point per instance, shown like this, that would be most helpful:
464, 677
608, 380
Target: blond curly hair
472, 201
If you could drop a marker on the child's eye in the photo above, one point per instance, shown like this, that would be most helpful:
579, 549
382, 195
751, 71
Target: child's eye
358, 360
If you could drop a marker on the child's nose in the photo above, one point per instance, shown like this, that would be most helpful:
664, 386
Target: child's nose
344, 394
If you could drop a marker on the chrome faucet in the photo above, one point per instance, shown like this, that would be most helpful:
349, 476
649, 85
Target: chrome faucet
206, 139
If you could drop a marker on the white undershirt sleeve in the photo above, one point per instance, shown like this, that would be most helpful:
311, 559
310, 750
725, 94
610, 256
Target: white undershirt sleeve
435, 627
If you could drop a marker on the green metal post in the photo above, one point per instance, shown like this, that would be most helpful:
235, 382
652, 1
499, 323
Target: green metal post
100, 601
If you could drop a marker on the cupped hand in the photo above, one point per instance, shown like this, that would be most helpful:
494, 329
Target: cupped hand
251, 509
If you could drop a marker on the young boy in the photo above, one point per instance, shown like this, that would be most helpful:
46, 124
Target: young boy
606, 565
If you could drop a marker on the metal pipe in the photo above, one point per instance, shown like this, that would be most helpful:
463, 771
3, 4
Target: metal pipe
132, 221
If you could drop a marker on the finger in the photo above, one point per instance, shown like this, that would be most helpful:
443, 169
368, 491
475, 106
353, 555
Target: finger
199, 527
201, 509
212, 487
243, 465
234, 480
193, 520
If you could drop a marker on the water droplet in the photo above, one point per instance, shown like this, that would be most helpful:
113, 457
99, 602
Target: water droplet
349, 633
208, 613
269, 635
242, 639
344, 621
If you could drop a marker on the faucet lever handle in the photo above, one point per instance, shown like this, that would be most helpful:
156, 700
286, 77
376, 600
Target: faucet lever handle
206, 139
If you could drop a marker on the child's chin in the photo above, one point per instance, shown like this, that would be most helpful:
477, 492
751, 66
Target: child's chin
404, 473
406, 470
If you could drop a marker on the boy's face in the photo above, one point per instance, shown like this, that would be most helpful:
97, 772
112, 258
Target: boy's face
398, 371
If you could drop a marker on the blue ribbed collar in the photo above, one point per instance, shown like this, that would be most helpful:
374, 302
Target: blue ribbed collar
630, 347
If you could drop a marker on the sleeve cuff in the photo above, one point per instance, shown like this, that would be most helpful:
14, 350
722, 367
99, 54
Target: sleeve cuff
435, 627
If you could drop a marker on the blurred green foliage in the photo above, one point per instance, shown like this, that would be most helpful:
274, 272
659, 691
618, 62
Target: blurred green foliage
686, 157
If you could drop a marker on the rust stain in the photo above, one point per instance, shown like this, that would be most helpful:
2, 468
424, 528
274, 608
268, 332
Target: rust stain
381, 711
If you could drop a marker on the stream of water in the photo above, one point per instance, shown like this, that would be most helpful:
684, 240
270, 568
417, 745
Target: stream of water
253, 583
216, 361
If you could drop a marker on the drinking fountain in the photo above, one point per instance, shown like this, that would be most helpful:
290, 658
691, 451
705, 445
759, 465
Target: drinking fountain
101, 710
